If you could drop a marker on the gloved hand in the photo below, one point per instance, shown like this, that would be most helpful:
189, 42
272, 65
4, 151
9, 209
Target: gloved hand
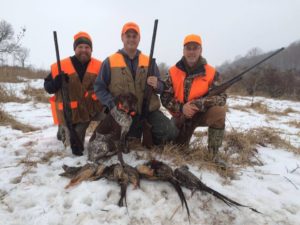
58, 80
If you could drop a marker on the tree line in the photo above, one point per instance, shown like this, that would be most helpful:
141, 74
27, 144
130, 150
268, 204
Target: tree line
278, 77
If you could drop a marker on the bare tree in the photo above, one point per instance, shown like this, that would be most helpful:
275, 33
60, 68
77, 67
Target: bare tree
254, 52
8, 42
21, 55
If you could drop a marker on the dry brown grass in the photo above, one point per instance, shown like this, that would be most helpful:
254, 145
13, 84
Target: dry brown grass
260, 107
39, 94
9, 96
239, 150
294, 123
13, 74
244, 144
240, 108
289, 110
8, 120
49, 155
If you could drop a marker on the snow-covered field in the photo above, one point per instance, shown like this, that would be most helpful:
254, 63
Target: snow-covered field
32, 192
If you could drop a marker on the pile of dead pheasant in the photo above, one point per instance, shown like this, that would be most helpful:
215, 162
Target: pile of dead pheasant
152, 170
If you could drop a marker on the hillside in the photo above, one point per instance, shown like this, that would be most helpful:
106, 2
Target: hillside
262, 146
279, 77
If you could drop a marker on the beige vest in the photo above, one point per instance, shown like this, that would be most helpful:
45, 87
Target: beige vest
122, 80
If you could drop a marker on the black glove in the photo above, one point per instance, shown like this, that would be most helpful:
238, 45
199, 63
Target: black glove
58, 80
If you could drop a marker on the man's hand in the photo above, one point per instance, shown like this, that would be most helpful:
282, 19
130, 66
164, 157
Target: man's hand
152, 81
204, 103
189, 109
58, 80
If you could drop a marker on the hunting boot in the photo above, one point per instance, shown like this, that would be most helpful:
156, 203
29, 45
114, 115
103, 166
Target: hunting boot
215, 138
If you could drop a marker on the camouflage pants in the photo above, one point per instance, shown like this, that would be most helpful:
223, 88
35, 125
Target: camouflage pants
163, 129
214, 118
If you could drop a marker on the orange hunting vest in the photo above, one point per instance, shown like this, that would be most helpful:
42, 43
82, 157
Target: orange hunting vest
200, 84
83, 101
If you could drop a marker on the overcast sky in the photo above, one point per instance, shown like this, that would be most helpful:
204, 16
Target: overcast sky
228, 27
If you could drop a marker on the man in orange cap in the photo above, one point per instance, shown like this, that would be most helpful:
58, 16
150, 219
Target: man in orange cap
126, 71
80, 72
188, 81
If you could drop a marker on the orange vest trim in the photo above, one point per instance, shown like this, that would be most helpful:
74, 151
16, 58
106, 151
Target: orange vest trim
73, 105
53, 109
117, 60
94, 66
67, 67
200, 85
94, 97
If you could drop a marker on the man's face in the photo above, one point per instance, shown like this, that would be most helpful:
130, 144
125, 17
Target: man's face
83, 53
192, 51
131, 40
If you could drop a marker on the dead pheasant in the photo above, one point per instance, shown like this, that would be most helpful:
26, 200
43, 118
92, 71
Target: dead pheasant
70, 171
163, 172
116, 173
84, 173
190, 181
133, 175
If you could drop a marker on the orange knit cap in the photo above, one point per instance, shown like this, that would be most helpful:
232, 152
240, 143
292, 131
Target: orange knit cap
130, 26
82, 38
192, 38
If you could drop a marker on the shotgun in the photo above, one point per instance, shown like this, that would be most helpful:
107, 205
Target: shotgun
75, 142
147, 135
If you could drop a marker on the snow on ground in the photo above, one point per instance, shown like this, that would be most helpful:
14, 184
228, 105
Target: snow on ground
33, 192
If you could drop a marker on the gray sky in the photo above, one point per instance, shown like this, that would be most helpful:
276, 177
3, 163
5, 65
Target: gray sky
228, 27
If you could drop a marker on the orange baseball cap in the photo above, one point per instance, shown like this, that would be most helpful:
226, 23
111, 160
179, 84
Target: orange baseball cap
192, 38
130, 26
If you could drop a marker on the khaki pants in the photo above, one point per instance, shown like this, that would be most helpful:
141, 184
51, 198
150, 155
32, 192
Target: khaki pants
214, 117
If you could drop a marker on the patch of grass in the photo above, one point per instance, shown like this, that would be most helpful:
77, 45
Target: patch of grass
47, 156
8, 120
13, 74
243, 144
289, 110
9, 96
260, 107
240, 108
294, 123
39, 94
240, 150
